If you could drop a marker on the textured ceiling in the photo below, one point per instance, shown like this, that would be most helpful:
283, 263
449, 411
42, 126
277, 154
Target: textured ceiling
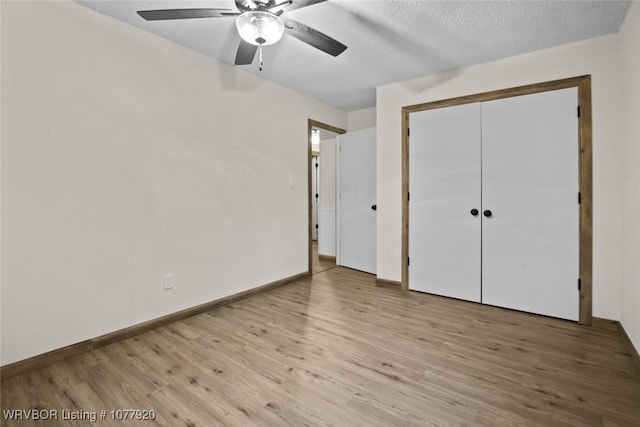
388, 40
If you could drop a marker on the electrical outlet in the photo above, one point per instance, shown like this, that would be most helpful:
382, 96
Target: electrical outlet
168, 281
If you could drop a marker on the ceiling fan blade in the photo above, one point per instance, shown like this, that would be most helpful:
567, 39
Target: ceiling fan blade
278, 8
246, 53
299, 4
164, 14
246, 5
313, 37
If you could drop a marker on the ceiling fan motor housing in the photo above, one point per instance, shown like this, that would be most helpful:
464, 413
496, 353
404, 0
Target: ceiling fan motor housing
260, 28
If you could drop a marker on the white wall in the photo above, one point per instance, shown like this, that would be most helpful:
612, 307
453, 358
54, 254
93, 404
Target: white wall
1, 97
630, 212
328, 173
125, 157
327, 232
327, 212
597, 57
361, 119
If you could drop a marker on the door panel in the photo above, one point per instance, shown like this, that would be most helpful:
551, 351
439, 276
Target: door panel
357, 194
444, 186
530, 184
315, 194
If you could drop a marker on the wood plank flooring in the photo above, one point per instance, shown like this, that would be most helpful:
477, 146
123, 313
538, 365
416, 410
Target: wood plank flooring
337, 350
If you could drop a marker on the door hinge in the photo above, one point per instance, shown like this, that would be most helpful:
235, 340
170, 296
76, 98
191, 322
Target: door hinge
408, 132
579, 284
579, 197
317, 226
317, 195
316, 165
408, 196
579, 112
408, 260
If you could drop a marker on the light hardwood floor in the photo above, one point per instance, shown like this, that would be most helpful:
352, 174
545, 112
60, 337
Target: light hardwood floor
337, 350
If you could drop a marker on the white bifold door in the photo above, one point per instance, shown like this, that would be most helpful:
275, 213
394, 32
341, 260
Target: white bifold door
493, 211
356, 201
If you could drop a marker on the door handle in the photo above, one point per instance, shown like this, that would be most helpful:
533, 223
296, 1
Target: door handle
374, 207
475, 212
487, 213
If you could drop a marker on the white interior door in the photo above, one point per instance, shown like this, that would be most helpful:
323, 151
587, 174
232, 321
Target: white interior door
530, 185
315, 194
444, 186
356, 197
327, 206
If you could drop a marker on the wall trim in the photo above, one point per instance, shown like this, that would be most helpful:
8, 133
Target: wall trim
608, 324
632, 349
387, 282
583, 83
52, 356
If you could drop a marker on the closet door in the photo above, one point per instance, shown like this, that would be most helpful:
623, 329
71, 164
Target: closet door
444, 186
530, 186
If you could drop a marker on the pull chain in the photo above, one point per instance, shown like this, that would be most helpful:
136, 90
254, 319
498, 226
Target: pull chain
260, 49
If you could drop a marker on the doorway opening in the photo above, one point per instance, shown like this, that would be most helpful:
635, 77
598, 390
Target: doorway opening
322, 195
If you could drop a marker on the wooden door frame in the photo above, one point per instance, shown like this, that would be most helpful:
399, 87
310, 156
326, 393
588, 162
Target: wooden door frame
583, 83
310, 125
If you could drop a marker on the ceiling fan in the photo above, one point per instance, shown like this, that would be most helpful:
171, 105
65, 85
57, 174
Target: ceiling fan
259, 23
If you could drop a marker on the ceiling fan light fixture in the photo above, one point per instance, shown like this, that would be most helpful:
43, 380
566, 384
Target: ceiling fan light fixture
260, 28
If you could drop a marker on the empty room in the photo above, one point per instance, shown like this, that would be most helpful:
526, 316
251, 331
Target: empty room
319, 212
